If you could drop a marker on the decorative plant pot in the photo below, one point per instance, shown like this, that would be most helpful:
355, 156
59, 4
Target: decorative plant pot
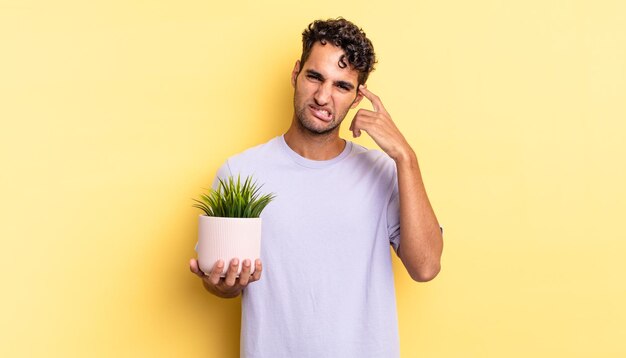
228, 238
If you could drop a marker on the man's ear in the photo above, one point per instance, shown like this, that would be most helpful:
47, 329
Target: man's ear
294, 73
357, 100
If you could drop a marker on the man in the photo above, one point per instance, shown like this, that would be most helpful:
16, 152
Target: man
327, 288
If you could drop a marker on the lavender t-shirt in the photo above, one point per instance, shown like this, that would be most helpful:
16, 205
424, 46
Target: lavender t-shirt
327, 285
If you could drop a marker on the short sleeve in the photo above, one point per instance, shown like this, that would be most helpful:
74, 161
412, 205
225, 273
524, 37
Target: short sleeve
222, 173
393, 217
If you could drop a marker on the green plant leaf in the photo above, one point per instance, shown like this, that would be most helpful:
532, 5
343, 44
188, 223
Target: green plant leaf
232, 198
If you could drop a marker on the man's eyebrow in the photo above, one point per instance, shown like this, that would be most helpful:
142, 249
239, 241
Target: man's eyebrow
345, 84
314, 73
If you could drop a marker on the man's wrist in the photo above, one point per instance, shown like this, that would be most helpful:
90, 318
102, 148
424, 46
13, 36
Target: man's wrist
219, 293
405, 157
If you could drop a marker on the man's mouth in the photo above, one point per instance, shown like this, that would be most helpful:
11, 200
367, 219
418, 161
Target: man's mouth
321, 113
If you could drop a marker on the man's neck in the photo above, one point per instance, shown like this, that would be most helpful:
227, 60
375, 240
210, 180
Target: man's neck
314, 146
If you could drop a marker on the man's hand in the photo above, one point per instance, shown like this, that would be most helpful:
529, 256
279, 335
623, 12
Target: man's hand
231, 285
380, 127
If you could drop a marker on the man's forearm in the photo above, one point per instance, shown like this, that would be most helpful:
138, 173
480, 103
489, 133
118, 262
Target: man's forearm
421, 242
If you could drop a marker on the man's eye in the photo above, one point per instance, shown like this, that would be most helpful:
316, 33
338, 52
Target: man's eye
313, 77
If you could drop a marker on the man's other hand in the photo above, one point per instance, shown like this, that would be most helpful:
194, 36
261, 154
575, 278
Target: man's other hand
231, 285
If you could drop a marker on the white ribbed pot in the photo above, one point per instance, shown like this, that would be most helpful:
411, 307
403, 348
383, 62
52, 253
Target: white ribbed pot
228, 238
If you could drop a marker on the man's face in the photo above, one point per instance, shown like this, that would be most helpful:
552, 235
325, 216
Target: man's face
324, 92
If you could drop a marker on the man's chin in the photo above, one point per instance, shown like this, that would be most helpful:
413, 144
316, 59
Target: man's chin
316, 126
316, 130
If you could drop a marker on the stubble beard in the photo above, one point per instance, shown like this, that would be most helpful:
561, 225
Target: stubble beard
309, 124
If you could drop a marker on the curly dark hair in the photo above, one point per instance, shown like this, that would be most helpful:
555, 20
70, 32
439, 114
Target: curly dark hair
342, 33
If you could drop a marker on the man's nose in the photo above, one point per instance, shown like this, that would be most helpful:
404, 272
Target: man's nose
322, 95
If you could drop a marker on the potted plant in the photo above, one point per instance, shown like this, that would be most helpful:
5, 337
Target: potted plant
230, 226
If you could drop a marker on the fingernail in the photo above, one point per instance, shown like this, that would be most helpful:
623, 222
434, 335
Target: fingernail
246, 262
235, 262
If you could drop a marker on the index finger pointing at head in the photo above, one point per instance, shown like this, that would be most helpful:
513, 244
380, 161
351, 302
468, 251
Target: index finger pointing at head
376, 103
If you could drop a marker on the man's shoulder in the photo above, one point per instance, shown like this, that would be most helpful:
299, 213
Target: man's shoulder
257, 150
255, 155
372, 157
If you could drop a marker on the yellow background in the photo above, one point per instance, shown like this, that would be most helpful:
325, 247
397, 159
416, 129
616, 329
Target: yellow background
114, 114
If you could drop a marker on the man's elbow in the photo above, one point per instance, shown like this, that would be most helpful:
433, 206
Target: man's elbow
425, 274
421, 269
